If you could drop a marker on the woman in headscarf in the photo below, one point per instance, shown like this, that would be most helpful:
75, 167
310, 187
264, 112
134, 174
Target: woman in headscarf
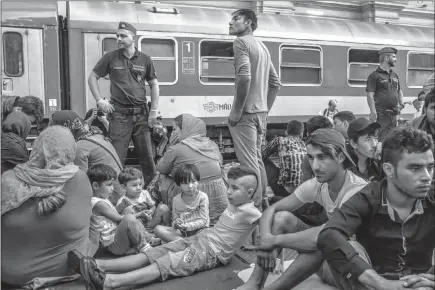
46, 208
189, 145
8, 104
15, 129
92, 146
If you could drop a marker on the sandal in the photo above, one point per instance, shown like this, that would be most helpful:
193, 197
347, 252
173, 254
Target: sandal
155, 241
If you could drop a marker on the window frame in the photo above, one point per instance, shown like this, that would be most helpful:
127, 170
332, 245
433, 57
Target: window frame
102, 51
301, 47
175, 58
4, 54
200, 58
349, 63
407, 67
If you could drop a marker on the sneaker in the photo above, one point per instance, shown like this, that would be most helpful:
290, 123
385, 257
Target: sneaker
93, 276
87, 267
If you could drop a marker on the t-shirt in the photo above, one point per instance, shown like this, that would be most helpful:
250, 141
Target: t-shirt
103, 225
127, 76
314, 191
328, 114
143, 199
195, 215
252, 58
234, 226
386, 86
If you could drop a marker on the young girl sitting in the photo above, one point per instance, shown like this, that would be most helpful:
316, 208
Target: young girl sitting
190, 212
120, 234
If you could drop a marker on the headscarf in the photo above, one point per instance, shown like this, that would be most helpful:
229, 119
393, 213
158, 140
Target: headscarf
49, 167
8, 103
72, 121
15, 130
193, 134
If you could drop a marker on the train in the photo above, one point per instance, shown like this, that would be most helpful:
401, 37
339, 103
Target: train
51, 56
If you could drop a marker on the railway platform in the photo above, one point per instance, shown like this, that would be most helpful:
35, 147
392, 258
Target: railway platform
226, 277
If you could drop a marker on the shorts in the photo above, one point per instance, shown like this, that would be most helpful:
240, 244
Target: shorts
183, 257
187, 234
333, 278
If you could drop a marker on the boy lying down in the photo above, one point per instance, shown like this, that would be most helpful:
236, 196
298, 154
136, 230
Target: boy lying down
185, 256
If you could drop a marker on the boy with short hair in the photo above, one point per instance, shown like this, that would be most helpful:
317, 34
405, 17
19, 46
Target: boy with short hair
183, 257
137, 199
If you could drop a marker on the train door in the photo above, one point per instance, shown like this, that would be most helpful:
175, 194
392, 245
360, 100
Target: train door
96, 45
22, 62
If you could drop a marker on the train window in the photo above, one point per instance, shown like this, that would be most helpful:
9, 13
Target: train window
420, 67
216, 62
13, 54
164, 56
361, 63
301, 65
109, 44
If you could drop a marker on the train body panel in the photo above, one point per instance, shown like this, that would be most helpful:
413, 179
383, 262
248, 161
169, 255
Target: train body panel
30, 53
317, 59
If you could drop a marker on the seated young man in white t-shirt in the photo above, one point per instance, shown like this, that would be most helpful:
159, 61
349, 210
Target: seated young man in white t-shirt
279, 228
185, 256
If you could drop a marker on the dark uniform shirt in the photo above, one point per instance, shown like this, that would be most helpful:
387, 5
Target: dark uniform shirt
393, 245
385, 86
127, 76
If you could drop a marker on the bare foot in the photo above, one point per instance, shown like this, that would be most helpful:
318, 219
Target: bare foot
248, 286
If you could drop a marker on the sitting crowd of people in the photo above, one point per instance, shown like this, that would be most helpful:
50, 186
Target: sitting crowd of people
72, 196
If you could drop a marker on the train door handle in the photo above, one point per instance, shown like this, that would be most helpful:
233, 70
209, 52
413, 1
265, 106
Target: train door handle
8, 85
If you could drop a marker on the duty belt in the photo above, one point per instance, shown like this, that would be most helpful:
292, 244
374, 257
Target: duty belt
130, 111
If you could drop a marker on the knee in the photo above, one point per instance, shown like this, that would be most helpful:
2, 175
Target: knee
285, 220
129, 218
163, 208
159, 230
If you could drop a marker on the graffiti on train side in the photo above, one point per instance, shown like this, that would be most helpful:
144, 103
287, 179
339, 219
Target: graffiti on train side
212, 107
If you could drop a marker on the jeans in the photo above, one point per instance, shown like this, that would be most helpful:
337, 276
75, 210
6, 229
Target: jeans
248, 136
122, 129
387, 121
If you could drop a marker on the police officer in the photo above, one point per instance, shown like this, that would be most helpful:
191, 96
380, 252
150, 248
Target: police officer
130, 118
384, 96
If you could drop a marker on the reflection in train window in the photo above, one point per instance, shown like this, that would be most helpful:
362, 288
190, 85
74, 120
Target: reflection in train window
361, 63
301, 65
13, 54
420, 67
109, 44
164, 56
216, 62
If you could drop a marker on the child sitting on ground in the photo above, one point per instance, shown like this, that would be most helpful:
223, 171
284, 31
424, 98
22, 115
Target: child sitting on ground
190, 213
121, 235
183, 257
136, 199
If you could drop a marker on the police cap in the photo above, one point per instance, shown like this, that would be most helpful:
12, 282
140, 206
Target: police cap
127, 26
387, 50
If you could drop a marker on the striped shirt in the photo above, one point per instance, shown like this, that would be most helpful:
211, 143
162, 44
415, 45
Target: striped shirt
194, 215
291, 151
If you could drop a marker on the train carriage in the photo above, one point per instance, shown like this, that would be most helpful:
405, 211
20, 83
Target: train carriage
317, 59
